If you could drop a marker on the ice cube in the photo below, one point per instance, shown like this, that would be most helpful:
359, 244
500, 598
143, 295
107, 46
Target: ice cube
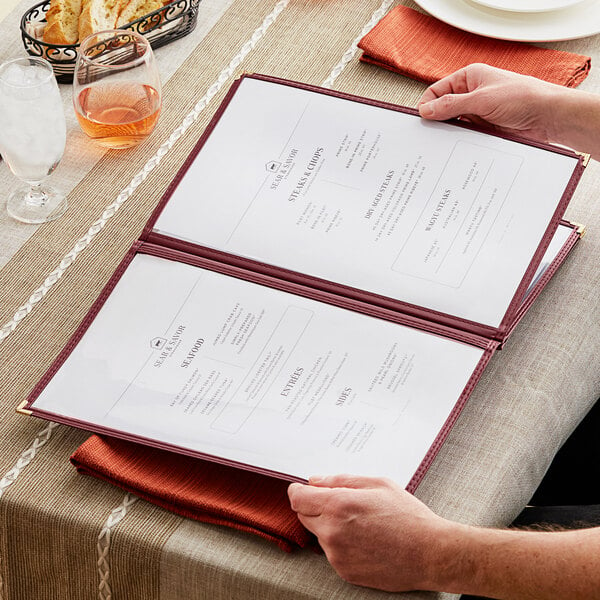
20, 75
14, 74
24, 82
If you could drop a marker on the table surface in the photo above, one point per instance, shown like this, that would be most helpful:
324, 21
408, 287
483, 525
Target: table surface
63, 535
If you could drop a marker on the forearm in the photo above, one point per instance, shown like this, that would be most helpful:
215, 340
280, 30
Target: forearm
575, 120
510, 564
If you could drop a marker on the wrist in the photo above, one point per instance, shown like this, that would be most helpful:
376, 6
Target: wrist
452, 562
574, 120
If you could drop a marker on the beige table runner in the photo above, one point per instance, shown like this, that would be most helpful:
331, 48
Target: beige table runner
66, 536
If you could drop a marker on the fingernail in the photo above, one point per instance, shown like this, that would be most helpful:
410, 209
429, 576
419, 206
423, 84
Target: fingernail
426, 110
315, 479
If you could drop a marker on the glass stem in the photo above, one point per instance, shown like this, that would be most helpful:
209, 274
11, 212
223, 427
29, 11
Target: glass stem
36, 196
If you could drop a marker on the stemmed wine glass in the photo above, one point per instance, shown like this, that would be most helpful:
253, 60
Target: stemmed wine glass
32, 137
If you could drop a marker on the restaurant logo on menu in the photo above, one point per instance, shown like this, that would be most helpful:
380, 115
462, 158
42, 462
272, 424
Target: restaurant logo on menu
158, 342
273, 166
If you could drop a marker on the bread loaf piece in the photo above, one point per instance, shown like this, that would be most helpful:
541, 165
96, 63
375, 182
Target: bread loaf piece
134, 9
62, 22
98, 15
70, 21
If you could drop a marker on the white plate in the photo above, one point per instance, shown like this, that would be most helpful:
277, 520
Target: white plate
528, 5
580, 20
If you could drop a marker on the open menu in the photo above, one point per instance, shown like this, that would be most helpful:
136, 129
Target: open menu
320, 288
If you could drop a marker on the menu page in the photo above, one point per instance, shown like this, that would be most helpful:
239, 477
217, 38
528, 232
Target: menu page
559, 239
424, 212
261, 377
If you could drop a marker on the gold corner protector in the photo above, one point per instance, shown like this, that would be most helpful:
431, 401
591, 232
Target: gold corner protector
580, 228
22, 410
585, 158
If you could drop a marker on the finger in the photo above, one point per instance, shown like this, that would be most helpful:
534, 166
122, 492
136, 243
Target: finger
313, 524
347, 481
452, 105
307, 499
322, 529
462, 81
456, 83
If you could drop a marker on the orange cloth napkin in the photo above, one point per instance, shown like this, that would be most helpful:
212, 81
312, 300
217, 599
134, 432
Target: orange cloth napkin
197, 489
423, 48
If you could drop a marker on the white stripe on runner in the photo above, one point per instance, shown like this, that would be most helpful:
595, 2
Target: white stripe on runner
349, 54
103, 546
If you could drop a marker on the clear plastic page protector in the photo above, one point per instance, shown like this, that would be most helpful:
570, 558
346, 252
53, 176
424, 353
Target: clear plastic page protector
228, 368
427, 213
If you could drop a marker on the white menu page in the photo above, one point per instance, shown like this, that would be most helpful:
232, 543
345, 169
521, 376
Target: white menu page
559, 239
258, 376
428, 213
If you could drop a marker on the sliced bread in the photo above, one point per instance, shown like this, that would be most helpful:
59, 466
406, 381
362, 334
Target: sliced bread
62, 22
98, 15
134, 9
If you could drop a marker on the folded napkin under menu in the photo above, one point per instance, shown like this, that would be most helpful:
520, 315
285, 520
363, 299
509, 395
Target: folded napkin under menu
423, 48
197, 489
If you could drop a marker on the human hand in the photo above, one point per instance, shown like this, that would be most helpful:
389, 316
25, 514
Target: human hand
495, 98
372, 531
376, 534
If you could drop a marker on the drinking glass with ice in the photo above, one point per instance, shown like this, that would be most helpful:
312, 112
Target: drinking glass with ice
32, 137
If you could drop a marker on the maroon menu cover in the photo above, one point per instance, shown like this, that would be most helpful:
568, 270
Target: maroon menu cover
237, 278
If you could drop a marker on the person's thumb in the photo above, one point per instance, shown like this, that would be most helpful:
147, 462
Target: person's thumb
449, 106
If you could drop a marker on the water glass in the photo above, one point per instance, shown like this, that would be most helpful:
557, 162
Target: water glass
32, 137
116, 88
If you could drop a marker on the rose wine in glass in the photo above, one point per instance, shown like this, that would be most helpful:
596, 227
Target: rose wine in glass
32, 137
116, 88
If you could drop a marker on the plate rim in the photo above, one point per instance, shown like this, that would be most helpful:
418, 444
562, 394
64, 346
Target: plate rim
493, 5
461, 5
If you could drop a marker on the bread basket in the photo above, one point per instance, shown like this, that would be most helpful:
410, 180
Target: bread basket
160, 27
